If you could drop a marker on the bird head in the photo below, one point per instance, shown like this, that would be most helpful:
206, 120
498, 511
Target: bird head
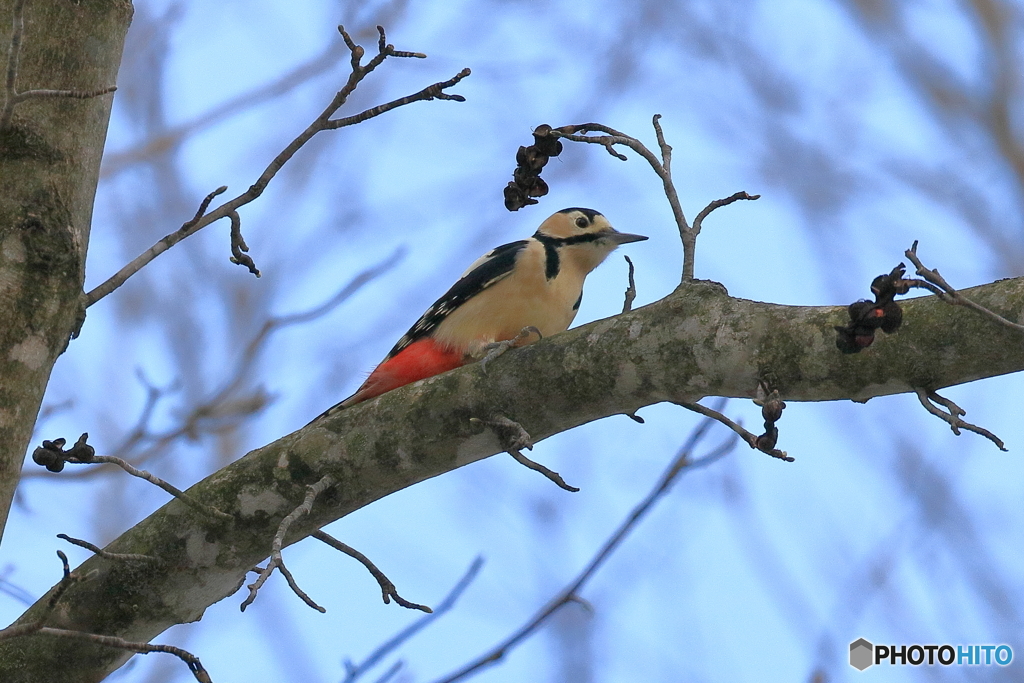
583, 235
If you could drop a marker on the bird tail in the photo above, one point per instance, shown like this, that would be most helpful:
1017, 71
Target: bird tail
419, 360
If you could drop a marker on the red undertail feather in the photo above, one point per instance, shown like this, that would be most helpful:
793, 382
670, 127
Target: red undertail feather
421, 359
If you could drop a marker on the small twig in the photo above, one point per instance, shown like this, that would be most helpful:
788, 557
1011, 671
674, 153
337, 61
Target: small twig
578, 133
753, 440
717, 204
431, 92
952, 417
122, 557
153, 479
190, 660
953, 296
321, 123
513, 438
203, 206
52, 456
666, 149
663, 167
627, 305
537, 467
18, 630
276, 560
238, 245
387, 588
11, 95
680, 464
354, 671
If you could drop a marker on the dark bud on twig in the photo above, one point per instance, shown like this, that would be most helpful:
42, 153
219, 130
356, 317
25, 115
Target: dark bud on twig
867, 316
892, 318
766, 442
772, 409
886, 287
530, 161
545, 142
81, 451
52, 455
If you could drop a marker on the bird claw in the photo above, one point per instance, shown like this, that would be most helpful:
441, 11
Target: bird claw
495, 349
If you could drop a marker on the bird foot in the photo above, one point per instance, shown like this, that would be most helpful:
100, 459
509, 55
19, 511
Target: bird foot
495, 349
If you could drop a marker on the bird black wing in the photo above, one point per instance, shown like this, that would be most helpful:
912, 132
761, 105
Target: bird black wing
495, 265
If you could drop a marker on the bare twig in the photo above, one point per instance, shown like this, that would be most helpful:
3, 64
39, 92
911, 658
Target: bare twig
153, 479
752, 439
193, 663
387, 589
666, 149
52, 456
322, 122
663, 167
122, 557
537, 467
431, 92
513, 438
680, 464
578, 133
951, 295
717, 204
627, 304
354, 671
11, 95
952, 416
18, 630
276, 561
238, 245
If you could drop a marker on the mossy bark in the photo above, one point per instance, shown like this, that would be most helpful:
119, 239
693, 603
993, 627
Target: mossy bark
696, 342
49, 167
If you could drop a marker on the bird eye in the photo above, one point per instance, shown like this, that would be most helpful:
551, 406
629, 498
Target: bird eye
582, 222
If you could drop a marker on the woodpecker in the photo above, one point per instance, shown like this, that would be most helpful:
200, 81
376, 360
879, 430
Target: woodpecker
533, 285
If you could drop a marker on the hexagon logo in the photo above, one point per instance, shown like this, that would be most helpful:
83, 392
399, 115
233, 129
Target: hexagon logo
862, 654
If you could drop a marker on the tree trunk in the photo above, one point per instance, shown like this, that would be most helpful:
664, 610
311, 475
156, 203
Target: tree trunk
49, 167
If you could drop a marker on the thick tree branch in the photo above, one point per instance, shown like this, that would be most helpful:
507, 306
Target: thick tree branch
696, 342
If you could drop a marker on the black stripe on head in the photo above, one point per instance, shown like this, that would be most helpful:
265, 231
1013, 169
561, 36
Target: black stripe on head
589, 213
554, 242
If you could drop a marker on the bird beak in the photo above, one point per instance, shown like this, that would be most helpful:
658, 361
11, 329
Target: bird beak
625, 237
